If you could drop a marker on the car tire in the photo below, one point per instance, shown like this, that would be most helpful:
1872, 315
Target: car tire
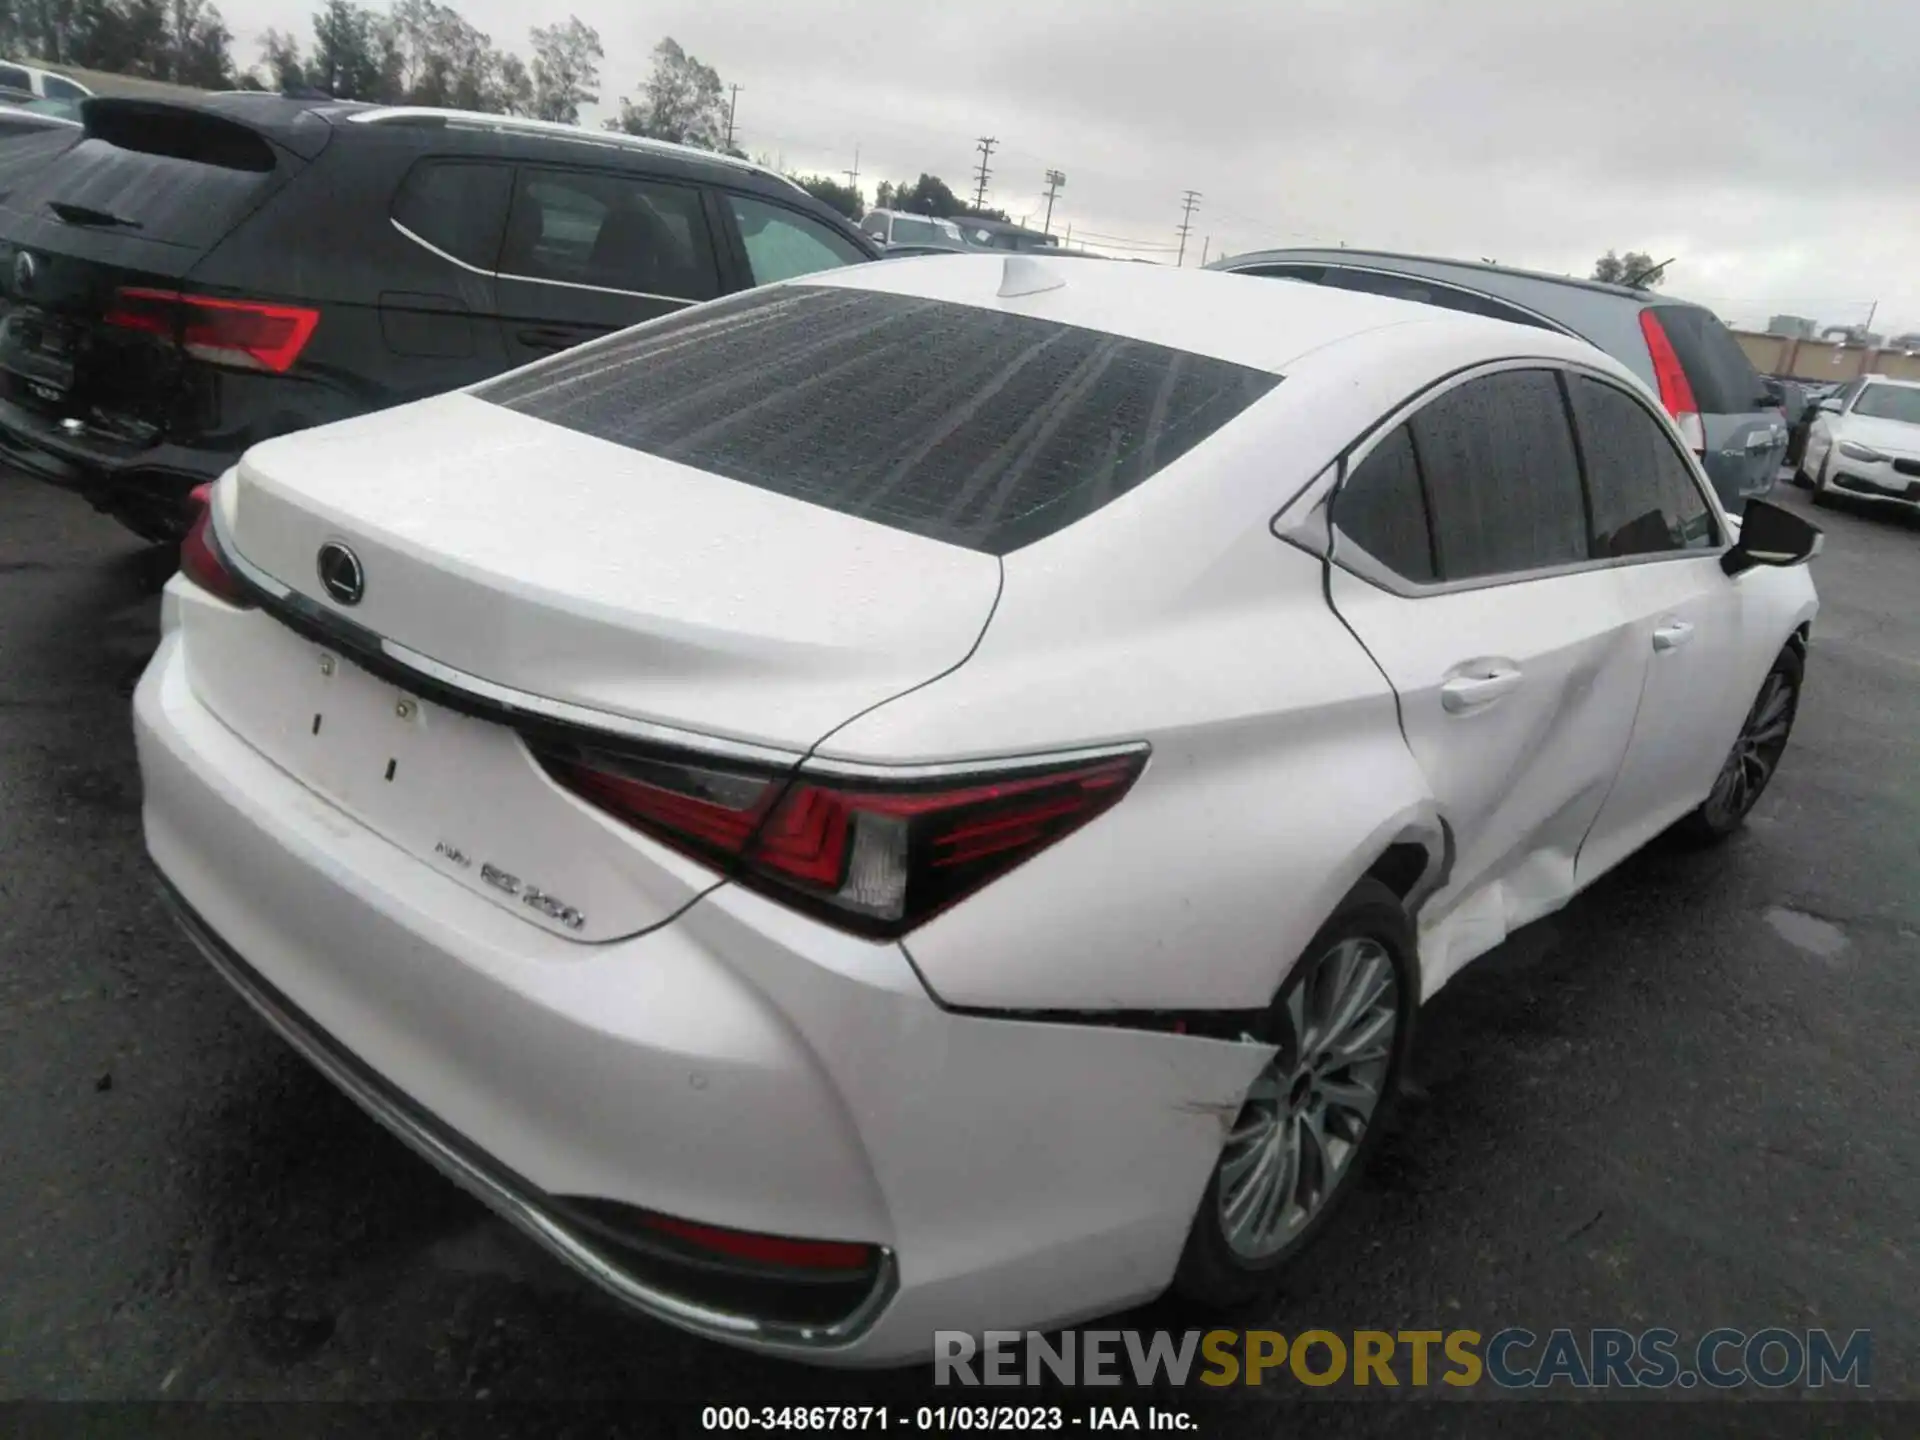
1751, 763
1821, 494
1280, 1147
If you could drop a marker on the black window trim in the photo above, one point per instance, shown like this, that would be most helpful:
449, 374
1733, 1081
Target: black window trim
1347, 553
1546, 322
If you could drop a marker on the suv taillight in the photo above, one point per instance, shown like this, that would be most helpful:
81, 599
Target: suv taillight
200, 557
243, 334
1676, 391
874, 858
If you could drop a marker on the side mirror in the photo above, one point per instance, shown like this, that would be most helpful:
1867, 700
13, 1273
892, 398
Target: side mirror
1770, 535
1831, 406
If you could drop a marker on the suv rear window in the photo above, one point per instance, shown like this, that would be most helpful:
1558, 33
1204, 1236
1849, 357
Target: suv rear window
176, 176
966, 425
1723, 379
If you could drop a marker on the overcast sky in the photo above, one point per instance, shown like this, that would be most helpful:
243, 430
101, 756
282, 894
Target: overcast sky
1771, 149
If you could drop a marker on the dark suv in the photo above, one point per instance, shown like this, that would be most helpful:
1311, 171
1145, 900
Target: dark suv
180, 281
1683, 354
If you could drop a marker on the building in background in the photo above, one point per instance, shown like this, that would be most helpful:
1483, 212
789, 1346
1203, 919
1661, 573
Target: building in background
1796, 326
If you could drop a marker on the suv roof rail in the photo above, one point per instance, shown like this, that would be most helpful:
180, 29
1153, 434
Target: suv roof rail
523, 125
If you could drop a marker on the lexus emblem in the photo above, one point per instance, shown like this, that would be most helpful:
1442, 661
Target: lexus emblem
340, 573
25, 272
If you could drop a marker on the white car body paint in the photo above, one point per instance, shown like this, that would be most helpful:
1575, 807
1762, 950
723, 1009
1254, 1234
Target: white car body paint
718, 1056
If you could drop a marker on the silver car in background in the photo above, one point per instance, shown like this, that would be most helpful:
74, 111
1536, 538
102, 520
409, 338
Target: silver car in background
1681, 351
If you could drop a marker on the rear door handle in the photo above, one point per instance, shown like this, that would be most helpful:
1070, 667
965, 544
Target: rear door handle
1671, 634
1481, 686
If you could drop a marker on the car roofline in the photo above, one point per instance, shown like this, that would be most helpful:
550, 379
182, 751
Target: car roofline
1342, 253
553, 129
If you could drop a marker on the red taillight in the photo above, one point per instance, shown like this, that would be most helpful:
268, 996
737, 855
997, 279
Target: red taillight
200, 558
1676, 391
764, 1249
875, 859
248, 334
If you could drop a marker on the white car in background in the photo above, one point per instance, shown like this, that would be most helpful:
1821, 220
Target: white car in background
44, 84
1865, 440
928, 797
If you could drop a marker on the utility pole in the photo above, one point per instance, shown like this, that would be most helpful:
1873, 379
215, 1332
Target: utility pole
1054, 181
1868, 327
853, 175
732, 102
985, 147
1205, 246
1189, 202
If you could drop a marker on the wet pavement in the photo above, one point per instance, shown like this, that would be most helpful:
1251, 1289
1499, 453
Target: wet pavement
1688, 1100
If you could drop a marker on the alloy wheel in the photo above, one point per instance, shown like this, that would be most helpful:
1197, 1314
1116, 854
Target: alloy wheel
1305, 1116
1756, 754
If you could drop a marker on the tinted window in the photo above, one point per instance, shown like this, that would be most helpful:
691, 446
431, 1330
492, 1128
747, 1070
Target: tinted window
15, 78
912, 230
1644, 497
1381, 509
1889, 402
1426, 292
969, 425
616, 232
174, 199
58, 89
782, 244
876, 226
457, 207
1502, 476
1311, 274
1723, 379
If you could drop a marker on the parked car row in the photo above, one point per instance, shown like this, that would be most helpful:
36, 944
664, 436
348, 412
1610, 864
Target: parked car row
183, 281
1864, 439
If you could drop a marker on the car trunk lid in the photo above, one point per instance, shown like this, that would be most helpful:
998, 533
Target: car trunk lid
570, 568
505, 557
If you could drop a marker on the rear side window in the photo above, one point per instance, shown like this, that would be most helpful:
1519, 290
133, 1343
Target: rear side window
782, 245
1381, 509
14, 78
610, 231
1644, 498
967, 425
58, 89
458, 207
1723, 379
1502, 476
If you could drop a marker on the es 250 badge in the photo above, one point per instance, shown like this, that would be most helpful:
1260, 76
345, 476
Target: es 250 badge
531, 896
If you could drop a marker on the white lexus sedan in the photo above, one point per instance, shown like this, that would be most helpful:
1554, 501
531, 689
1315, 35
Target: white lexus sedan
1865, 440
928, 797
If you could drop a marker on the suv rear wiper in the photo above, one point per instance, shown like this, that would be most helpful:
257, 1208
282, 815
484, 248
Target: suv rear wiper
87, 215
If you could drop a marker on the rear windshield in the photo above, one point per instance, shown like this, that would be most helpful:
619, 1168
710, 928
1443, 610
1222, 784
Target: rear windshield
1723, 379
963, 424
183, 184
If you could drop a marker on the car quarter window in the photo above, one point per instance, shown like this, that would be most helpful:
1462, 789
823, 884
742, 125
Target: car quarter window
1381, 509
782, 244
15, 78
58, 89
1502, 476
610, 231
456, 206
1644, 497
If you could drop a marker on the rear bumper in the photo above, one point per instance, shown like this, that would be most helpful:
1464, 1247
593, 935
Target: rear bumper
740, 1066
146, 488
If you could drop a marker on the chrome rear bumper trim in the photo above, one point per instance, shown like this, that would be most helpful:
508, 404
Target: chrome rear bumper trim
517, 1201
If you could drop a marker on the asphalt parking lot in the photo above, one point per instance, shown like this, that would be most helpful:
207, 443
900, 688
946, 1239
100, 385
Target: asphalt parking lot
1688, 1100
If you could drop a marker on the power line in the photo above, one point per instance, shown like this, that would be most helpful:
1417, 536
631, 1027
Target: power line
985, 147
1189, 202
1054, 181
